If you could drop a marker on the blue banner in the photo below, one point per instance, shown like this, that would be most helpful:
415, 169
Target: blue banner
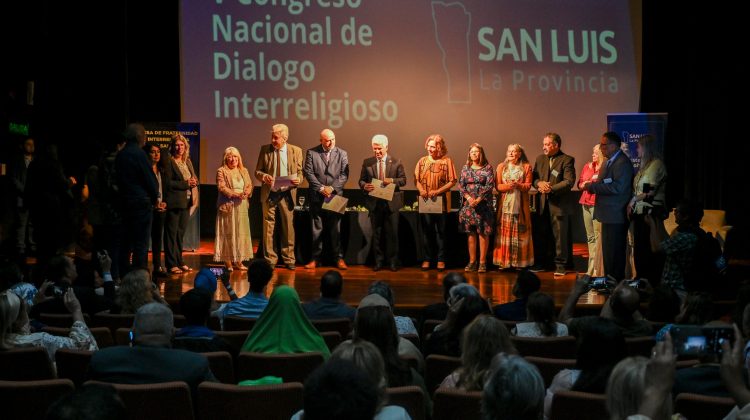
631, 127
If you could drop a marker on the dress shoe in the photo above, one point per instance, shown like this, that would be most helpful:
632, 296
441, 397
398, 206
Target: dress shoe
291, 266
377, 267
394, 267
559, 271
342, 264
311, 265
440, 266
425, 266
536, 268
161, 272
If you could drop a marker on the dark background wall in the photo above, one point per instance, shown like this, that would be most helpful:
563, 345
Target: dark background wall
92, 76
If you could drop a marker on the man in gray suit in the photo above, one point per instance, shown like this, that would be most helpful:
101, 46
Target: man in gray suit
383, 214
613, 191
554, 176
326, 170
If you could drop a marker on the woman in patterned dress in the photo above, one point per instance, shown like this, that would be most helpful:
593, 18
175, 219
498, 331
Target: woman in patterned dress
435, 176
476, 216
232, 222
513, 244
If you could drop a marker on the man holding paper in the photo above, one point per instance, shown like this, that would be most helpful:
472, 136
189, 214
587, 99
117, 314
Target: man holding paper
379, 173
279, 168
326, 170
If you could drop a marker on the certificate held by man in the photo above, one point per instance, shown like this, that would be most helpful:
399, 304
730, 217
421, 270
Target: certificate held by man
282, 183
335, 203
382, 191
431, 205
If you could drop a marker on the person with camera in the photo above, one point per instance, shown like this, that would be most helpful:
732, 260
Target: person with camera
649, 186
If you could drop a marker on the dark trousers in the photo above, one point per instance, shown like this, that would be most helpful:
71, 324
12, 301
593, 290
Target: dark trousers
136, 228
24, 230
325, 220
433, 236
551, 240
174, 230
109, 238
648, 264
157, 237
384, 229
614, 240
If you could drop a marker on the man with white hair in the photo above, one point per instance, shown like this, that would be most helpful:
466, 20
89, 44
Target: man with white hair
383, 213
152, 358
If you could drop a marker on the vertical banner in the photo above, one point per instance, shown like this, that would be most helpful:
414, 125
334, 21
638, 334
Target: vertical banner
631, 127
161, 133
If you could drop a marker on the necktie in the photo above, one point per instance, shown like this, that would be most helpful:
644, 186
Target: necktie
325, 156
277, 171
381, 170
551, 161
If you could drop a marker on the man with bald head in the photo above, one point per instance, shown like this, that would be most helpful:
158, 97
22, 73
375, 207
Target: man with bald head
326, 169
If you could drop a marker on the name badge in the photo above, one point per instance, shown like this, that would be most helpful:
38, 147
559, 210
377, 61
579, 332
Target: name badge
555, 173
607, 180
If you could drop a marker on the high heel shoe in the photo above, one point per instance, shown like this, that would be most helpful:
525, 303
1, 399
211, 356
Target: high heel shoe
472, 266
482, 268
425, 266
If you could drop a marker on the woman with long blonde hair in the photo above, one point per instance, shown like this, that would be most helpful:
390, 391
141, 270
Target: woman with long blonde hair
233, 244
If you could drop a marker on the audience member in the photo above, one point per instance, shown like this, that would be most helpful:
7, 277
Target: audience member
484, 338
195, 305
733, 374
664, 304
252, 305
542, 321
515, 390
600, 347
89, 402
526, 284
439, 310
15, 330
339, 390
152, 358
284, 328
329, 304
18, 172
447, 339
696, 309
404, 324
12, 278
136, 290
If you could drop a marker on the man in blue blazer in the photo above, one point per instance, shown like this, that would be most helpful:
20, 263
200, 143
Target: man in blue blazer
613, 190
326, 169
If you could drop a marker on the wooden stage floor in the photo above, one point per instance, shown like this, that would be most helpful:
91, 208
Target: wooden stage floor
412, 287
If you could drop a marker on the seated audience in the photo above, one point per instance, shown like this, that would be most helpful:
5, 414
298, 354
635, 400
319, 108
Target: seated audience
136, 290
374, 323
514, 390
484, 338
15, 330
404, 324
367, 357
526, 284
329, 305
283, 327
621, 307
542, 321
733, 376
696, 309
600, 347
339, 390
639, 388
11, 278
259, 273
90, 402
152, 358
195, 305
664, 304
447, 340
440, 310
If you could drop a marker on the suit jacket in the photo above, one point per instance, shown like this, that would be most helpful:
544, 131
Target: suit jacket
613, 190
327, 308
267, 166
149, 365
135, 178
560, 184
225, 187
393, 169
175, 186
318, 173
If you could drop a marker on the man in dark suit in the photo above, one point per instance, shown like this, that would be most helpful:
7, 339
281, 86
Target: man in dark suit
613, 190
326, 170
274, 160
554, 176
383, 213
152, 358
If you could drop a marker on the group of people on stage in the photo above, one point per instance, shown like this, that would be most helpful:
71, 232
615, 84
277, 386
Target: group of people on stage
610, 197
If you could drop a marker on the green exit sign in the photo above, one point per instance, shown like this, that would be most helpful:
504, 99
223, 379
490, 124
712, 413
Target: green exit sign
17, 128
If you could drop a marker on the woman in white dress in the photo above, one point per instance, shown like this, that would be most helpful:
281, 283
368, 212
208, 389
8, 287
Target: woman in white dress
233, 244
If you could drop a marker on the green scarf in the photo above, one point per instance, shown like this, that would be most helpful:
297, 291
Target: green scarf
284, 328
